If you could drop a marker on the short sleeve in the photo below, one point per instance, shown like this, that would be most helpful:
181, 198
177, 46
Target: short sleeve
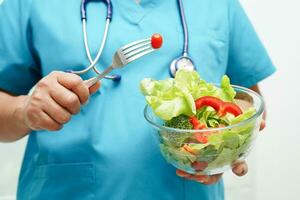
248, 60
18, 69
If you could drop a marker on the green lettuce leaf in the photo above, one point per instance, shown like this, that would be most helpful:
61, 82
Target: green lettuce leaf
166, 100
188, 82
223, 158
231, 140
177, 154
157, 88
197, 147
173, 139
226, 91
246, 115
208, 154
173, 97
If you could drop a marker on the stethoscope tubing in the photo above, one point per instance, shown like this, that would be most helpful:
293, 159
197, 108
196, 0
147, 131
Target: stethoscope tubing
185, 29
175, 64
108, 6
93, 62
87, 50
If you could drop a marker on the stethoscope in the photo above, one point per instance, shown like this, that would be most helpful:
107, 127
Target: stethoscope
93, 63
182, 62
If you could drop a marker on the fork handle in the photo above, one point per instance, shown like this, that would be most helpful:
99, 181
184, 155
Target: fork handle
90, 82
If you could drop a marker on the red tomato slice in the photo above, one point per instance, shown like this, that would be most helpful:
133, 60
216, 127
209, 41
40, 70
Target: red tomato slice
156, 41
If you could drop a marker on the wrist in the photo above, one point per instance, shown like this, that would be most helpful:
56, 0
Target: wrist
18, 116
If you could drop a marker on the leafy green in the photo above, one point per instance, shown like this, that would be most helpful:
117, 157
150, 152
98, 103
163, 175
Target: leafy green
188, 82
173, 100
157, 88
231, 140
216, 140
226, 93
173, 139
225, 157
198, 147
246, 115
166, 100
210, 117
173, 97
177, 154
212, 122
208, 154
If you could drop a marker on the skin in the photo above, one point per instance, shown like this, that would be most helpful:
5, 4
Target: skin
239, 168
55, 99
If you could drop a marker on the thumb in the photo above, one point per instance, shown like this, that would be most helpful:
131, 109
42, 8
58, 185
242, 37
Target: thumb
262, 125
95, 87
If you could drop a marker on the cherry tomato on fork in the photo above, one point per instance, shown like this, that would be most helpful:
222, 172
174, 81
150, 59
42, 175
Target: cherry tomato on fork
156, 41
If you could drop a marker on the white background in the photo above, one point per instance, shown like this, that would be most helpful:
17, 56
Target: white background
274, 171
274, 166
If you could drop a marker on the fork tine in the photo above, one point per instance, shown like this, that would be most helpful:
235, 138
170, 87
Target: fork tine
134, 43
132, 58
135, 47
137, 51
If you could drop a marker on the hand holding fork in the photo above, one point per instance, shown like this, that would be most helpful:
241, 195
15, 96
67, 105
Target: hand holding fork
59, 95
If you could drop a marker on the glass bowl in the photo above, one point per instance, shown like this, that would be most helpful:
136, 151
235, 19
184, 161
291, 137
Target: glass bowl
225, 146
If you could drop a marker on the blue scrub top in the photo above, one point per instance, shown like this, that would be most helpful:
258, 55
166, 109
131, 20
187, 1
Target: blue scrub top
108, 151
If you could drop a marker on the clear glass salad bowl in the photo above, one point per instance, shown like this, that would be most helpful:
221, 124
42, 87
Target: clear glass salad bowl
224, 146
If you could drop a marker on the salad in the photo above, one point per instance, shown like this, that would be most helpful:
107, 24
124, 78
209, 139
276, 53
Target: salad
187, 104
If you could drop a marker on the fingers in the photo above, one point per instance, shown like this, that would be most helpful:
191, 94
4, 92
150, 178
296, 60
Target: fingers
38, 120
240, 168
262, 125
46, 122
182, 174
207, 180
75, 83
55, 111
204, 179
56, 97
66, 99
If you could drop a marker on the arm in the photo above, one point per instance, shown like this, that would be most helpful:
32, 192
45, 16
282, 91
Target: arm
255, 88
12, 122
55, 99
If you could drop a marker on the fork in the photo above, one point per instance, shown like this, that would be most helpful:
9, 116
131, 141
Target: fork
124, 56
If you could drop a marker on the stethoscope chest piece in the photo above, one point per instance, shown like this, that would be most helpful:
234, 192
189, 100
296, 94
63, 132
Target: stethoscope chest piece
183, 62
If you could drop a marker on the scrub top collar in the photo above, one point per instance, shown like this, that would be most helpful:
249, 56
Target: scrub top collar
135, 12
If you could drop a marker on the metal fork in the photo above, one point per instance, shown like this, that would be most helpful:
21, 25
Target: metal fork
124, 56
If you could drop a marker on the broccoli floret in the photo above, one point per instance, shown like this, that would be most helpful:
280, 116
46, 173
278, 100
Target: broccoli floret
180, 122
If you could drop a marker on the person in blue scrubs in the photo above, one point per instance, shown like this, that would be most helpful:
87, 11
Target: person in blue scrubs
102, 148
